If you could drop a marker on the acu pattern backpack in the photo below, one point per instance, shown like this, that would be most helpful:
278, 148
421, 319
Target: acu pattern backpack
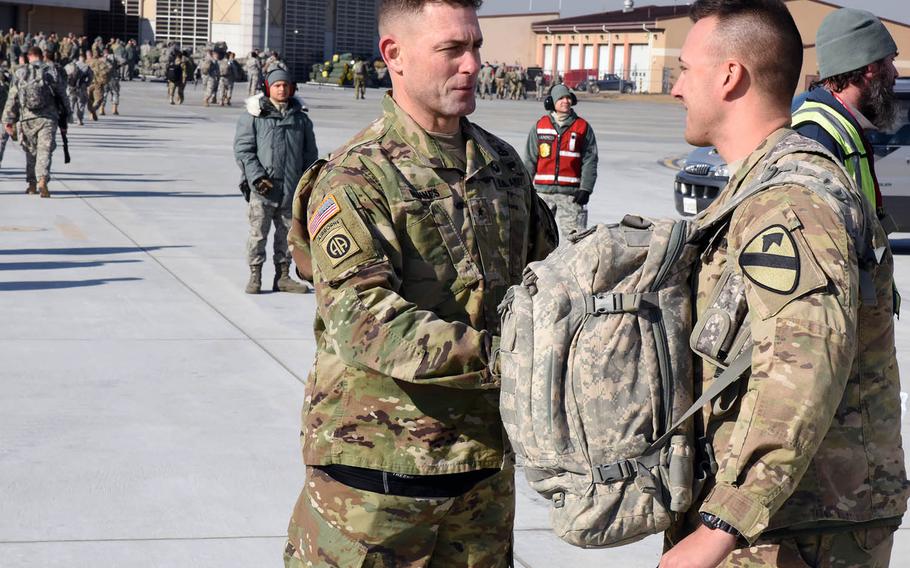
35, 90
597, 371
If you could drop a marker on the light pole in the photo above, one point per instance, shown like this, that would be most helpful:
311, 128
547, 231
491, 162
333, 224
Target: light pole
266, 42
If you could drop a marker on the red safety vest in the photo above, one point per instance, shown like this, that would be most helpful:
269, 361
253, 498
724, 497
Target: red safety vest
559, 155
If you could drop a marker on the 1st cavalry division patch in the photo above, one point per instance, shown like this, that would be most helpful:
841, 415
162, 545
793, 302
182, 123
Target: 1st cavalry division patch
771, 260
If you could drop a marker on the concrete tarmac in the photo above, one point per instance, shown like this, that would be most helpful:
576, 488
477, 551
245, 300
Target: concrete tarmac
149, 409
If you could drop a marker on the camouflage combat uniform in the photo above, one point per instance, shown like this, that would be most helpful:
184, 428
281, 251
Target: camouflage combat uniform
226, 77
79, 77
811, 442
6, 80
112, 88
209, 70
254, 75
101, 72
37, 126
412, 250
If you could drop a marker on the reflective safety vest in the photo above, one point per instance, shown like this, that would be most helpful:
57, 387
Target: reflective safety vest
559, 155
857, 161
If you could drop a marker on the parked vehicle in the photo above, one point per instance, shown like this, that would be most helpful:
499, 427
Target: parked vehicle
702, 176
610, 82
892, 160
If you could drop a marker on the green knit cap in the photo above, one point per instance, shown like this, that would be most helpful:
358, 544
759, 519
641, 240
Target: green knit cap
849, 39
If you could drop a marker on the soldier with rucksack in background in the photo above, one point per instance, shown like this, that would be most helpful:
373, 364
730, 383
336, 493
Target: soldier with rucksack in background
209, 70
101, 73
228, 72
78, 77
112, 88
253, 73
35, 106
176, 79
6, 80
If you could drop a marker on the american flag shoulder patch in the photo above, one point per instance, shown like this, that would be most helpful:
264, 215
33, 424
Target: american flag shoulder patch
326, 210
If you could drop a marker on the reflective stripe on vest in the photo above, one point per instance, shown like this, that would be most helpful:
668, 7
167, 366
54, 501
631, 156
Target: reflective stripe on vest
857, 162
559, 156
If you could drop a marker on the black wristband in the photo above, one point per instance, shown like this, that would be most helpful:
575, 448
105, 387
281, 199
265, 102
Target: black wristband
715, 523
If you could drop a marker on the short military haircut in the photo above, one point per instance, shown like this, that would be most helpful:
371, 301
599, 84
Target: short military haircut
36, 51
390, 10
763, 35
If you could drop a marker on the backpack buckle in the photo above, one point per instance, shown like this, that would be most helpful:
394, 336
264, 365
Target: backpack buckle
616, 303
618, 471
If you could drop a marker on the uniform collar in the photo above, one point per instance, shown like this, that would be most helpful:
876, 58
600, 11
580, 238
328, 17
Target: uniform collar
427, 151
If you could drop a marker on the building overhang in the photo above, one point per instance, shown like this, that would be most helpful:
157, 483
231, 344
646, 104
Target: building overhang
596, 28
103, 5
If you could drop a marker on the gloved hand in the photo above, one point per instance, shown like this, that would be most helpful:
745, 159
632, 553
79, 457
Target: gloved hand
263, 185
581, 197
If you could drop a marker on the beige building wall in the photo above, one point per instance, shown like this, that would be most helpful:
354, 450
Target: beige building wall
226, 11
52, 19
509, 39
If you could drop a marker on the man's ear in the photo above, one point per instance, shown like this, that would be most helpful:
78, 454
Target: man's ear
391, 51
735, 81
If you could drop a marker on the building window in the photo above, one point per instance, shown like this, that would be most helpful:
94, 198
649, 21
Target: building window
588, 57
304, 35
122, 21
561, 59
574, 57
548, 59
355, 27
183, 21
603, 60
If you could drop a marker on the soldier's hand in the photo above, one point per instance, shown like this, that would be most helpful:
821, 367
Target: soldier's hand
582, 197
9, 128
705, 548
263, 185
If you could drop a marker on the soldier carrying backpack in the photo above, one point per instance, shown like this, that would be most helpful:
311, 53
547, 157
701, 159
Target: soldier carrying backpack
35, 107
793, 441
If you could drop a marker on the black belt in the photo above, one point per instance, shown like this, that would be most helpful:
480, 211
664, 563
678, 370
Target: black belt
389, 483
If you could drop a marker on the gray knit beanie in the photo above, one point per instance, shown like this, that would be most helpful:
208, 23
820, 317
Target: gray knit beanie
849, 39
560, 91
278, 74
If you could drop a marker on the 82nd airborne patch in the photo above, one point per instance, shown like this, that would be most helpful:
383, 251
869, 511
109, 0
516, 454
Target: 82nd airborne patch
771, 260
336, 241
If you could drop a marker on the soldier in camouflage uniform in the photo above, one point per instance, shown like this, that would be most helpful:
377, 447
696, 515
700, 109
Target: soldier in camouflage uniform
6, 80
253, 73
209, 69
416, 229
227, 74
78, 78
808, 468
112, 88
36, 105
101, 73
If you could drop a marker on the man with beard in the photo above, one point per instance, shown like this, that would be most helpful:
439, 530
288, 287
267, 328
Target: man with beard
854, 93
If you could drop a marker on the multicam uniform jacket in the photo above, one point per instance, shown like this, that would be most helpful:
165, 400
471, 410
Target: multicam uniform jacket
813, 440
411, 258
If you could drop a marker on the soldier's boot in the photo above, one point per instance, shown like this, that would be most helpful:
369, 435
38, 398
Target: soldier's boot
101, 110
115, 110
32, 188
284, 283
205, 102
93, 113
42, 187
255, 283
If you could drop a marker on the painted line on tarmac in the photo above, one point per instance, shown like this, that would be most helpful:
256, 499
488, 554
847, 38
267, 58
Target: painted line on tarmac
673, 163
254, 341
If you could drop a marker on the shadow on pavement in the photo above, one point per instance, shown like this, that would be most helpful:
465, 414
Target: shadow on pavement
59, 284
88, 250
60, 264
79, 193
